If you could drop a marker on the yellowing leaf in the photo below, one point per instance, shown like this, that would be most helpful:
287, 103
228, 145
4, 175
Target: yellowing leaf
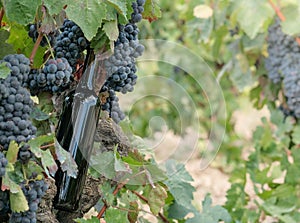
203, 11
18, 201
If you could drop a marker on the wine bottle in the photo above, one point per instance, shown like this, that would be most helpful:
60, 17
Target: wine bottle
75, 133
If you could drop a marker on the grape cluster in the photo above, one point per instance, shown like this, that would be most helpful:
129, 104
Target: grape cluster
280, 47
283, 64
70, 43
15, 108
24, 153
33, 33
54, 77
19, 66
33, 192
3, 164
138, 9
120, 66
111, 105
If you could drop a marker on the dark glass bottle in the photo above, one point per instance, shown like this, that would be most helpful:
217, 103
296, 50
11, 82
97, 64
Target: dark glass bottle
75, 133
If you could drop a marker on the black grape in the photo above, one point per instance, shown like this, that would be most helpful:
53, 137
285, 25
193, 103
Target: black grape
70, 43
33, 192
138, 9
3, 164
55, 77
33, 33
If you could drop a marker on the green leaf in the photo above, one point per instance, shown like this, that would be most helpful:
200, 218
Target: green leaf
152, 10
241, 75
8, 183
37, 142
19, 39
54, 6
21, 11
296, 135
107, 192
113, 215
210, 214
49, 163
18, 201
134, 212
5, 50
252, 23
112, 32
156, 198
104, 164
67, 162
292, 15
38, 115
4, 70
12, 153
88, 15
120, 6
91, 220
179, 180
177, 211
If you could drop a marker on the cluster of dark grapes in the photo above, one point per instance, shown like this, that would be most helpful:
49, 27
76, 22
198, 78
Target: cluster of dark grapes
3, 164
120, 67
138, 9
15, 106
33, 192
280, 48
70, 43
283, 65
34, 33
55, 77
111, 105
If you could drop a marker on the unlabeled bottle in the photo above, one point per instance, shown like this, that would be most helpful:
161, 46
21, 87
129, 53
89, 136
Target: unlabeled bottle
75, 133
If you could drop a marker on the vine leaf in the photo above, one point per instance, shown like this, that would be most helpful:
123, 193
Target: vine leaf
133, 213
210, 214
156, 198
152, 10
18, 201
4, 70
120, 6
88, 15
67, 163
296, 135
54, 6
252, 25
12, 153
5, 49
113, 215
103, 163
112, 32
46, 157
292, 17
21, 11
180, 180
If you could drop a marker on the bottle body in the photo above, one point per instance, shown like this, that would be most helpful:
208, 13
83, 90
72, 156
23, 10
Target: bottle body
75, 133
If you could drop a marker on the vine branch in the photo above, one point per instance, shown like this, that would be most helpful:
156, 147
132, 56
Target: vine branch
35, 47
1, 16
117, 189
277, 10
163, 218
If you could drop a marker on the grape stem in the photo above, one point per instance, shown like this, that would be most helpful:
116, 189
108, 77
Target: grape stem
35, 47
277, 10
163, 218
1, 16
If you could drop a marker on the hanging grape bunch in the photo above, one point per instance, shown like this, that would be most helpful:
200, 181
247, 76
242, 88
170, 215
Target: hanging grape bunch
121, 68
282, 65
